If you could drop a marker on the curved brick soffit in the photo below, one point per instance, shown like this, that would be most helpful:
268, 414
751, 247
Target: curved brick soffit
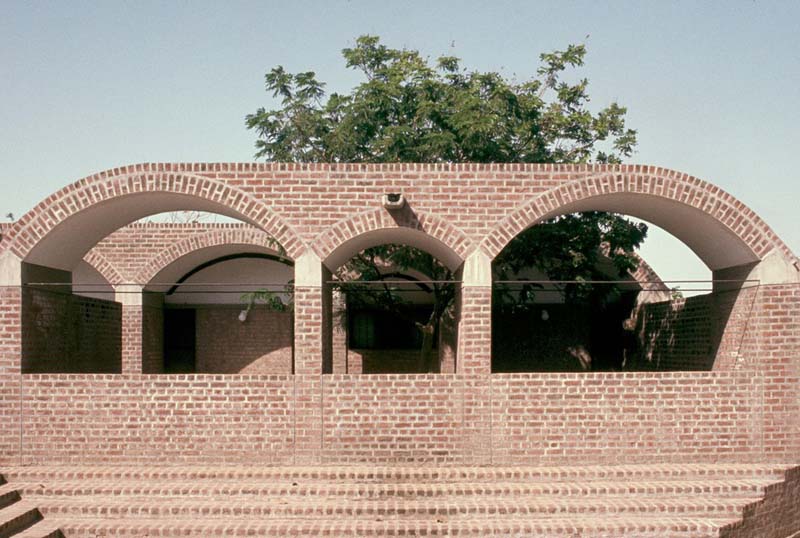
104, 267
678, 187
136, 179
211, 238
378, 219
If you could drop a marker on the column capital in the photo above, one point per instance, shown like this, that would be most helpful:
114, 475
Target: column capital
477, 270
308, 270
128, 294
10, 269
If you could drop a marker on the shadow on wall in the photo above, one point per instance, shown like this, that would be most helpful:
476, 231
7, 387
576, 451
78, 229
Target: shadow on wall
684, 334
65, 333
697, 333
262, 344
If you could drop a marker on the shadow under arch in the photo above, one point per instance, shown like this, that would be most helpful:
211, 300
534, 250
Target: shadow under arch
727, 236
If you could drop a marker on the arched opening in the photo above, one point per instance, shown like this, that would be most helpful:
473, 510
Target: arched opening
208, 311
393, 303
70, 320
609, 319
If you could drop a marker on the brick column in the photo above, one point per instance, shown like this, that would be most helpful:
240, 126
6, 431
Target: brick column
474, 354
312, 341
474, 357
130, 296
312, 313
10, 357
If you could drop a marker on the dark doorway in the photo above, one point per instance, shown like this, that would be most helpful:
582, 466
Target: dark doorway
179, 341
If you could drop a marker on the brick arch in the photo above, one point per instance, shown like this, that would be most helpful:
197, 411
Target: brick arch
239, 235
336, 238
78, 216
667, 198
104, 267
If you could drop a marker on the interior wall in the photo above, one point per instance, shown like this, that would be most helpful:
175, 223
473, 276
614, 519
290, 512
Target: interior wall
262, 344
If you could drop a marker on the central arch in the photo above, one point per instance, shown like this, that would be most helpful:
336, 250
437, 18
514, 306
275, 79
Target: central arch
421, 230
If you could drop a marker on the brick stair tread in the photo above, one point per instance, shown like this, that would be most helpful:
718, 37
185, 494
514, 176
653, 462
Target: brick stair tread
8, 494
312, 507
649, 527
18, 514
416, 474
41, 529
247, 488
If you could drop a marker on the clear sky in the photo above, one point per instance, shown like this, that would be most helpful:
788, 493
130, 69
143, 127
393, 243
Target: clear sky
712, 87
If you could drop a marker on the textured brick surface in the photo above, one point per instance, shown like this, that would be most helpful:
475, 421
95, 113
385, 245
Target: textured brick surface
638, 501
69, 333
483, 205
747, 409
260, 345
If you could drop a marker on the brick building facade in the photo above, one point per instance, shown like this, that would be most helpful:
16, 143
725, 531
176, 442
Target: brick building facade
743, 406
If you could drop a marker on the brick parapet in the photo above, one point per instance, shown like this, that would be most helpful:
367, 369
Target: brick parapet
508, 419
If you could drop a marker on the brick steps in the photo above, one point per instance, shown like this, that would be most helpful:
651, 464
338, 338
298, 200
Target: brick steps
16, 517
194, 507
679, 501
632, 527
266, 489
42, 529
297, 487
402, 474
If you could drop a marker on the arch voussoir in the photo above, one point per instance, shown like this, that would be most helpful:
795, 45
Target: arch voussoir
239, 235
378, 219
83, 195
678, 188
104, 267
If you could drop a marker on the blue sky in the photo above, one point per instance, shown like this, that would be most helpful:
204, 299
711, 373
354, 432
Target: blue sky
712, 87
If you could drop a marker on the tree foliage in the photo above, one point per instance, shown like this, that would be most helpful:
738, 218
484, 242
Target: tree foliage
409, 109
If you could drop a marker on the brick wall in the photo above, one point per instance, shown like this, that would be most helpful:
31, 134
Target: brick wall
729, 415
260, 345
69, 333
387, 361
188, 419
428, 419
771, 342
625, 417
10, 355
777, 515
392, 419
676, 335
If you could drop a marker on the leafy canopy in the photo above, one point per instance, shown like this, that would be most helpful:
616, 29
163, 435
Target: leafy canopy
408, 109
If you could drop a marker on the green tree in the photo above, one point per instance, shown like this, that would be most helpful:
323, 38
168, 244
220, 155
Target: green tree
407, 109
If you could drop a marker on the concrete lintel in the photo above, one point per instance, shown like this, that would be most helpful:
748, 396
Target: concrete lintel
128, 294
774, 268
10, 269
308, 270
477, 270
